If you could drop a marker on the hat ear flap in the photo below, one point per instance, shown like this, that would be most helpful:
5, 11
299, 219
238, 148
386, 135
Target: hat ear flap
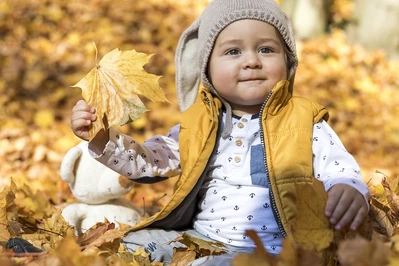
188, 68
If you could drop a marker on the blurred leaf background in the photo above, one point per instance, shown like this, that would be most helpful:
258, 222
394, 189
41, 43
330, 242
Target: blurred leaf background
46, 46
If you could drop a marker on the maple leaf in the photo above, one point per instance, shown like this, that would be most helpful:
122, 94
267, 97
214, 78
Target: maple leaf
113, 85
310, 234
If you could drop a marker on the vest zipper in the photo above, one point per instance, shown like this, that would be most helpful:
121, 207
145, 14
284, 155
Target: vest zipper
271, 194
207, 100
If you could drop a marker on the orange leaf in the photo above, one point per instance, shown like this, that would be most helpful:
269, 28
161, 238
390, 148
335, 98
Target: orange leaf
94, 233
200, 246
259, 257
182, 256
361, 252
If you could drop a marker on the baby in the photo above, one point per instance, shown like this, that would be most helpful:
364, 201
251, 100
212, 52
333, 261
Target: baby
244, 143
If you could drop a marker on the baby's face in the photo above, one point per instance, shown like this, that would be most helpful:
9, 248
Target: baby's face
247, 61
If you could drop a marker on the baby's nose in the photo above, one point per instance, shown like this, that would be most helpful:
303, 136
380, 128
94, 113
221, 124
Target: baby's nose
252, 61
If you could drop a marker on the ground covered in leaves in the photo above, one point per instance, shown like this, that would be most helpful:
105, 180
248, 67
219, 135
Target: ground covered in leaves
46, 47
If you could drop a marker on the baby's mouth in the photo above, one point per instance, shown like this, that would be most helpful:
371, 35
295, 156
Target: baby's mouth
251, 80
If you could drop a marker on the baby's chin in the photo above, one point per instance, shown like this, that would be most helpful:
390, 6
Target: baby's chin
241, 110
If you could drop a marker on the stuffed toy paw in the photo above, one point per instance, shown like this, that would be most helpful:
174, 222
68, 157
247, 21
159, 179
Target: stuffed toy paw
98, 189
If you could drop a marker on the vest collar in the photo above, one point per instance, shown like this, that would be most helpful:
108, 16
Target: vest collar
278, 99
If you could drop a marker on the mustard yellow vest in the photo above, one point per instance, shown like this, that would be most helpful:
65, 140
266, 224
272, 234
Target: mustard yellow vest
287, 126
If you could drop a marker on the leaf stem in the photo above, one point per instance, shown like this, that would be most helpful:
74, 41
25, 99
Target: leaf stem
95, 47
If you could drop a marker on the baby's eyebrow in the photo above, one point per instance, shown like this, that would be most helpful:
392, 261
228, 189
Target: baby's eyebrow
230, 42
267, 40
238, 41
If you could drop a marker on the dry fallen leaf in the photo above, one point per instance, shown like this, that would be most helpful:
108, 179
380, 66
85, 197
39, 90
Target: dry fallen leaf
361, 252
113, 85
311, 234
95, 232
182, 256
259, 257
7, 196
200, 246
142, 258
69, 252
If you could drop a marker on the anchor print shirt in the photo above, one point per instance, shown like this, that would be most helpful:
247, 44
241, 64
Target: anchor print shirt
235, 194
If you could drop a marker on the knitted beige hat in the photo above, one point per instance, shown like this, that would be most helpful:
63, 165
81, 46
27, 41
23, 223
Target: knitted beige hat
196, 43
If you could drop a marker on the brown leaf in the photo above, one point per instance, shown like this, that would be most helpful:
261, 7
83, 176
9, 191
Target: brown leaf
381, 221
109, 241
182, 256
259, 257
200, 246
93, 233
392, 197
7, 196
361, 252
290, 256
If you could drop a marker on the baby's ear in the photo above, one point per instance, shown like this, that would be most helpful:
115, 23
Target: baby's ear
67, 169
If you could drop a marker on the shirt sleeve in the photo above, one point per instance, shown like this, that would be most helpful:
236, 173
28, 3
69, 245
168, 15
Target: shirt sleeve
154, 160
332, 164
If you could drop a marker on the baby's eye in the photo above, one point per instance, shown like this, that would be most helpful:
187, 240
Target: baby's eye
233, 52
265, 50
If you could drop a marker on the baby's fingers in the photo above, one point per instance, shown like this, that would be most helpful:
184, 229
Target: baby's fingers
81, 105
82, 115
334, 195
348, 215
361, 214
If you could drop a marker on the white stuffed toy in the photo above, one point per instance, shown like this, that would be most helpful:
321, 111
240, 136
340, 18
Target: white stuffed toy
99, 190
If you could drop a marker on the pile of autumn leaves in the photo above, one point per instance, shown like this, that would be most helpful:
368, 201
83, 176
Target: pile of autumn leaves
30, 216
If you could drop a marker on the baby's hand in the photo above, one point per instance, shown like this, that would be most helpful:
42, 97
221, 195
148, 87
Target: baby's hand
82, 117
345, 205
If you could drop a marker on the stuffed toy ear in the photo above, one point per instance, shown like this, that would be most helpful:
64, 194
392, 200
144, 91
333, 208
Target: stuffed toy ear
188, 69
67, 169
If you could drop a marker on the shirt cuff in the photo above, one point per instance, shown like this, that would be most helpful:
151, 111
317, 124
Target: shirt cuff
114, 145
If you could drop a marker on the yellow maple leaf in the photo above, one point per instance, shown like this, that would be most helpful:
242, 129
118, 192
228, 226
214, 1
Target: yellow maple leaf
113, 85
311, 234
